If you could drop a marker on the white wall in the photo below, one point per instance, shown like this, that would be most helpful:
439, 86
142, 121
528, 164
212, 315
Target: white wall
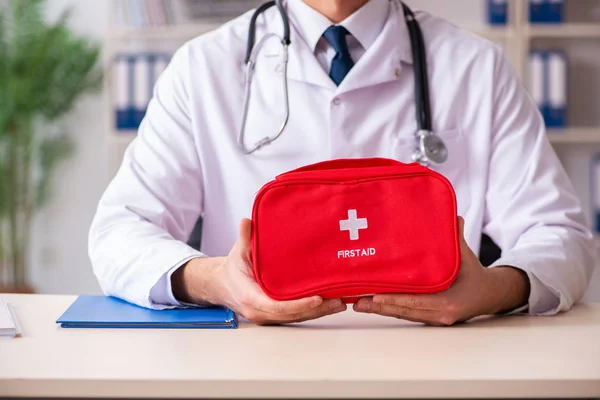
60, 263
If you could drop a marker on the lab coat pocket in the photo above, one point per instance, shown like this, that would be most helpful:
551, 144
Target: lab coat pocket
455, 169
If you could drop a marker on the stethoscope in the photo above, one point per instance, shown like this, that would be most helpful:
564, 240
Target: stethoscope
429, 147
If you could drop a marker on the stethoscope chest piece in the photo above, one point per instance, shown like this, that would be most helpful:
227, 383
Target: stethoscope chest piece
431, 148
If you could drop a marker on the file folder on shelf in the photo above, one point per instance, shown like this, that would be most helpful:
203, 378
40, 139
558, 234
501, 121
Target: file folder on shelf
556, 73
555, 10
160, 64
123, 92
536, 11
142, 87
546, 11
135, 75
497, 12
535, 80
547, 84
595, 191
110, 312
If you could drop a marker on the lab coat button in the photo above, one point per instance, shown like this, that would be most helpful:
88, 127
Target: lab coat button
337, 101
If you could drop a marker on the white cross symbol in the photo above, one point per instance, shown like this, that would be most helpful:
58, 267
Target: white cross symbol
353, 224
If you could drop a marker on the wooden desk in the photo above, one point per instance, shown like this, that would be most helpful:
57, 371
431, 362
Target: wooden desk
348, 355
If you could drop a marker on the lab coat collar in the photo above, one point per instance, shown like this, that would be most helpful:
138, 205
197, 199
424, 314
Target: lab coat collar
308, 23
381, 63
365, 25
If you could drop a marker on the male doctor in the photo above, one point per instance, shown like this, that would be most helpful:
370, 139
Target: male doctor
351, 95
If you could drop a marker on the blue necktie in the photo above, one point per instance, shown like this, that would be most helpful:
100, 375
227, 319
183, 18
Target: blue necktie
342, 62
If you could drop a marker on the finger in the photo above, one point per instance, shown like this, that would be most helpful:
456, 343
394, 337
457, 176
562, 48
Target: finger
265, 304
409, 314
430, 302
328, 307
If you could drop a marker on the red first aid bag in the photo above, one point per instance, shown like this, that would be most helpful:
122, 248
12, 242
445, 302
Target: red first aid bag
355, 227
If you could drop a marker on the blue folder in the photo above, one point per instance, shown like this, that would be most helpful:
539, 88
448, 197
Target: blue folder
546, 11
110, 312
595, 191
538, 11
497, 12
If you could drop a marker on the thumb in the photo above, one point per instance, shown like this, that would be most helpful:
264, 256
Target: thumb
243, 245
465, 250
245, 232
461, 235
461, 229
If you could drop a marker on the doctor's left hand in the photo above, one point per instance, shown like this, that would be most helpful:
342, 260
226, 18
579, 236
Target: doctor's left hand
476, 291
229, 281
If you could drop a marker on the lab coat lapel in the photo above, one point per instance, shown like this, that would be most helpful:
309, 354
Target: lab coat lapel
383, 60
304, 66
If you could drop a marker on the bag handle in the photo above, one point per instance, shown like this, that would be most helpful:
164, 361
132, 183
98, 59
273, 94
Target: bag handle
354, 163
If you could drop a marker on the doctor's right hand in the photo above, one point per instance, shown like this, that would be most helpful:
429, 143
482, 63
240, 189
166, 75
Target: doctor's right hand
229, 281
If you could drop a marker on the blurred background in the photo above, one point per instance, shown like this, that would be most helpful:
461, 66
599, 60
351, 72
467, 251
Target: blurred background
76, 76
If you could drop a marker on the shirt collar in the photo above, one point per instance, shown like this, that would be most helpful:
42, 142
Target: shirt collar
365, 24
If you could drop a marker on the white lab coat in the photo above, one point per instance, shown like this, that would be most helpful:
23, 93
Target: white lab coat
186, 161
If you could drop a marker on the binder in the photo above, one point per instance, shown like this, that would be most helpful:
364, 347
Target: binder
123, 91
555, 11
158, 11
537, 11
122, 11
113, 313
161, 61
497, 12
556, 73
135, 7
148, 13
595, 191
536, 79
134, 78
142, 87
546, 11
167, 7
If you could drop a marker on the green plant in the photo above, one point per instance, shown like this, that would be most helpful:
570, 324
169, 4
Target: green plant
44, 69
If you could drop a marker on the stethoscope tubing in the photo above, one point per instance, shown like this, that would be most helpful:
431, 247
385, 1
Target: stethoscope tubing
423, 104
286, 40
429, 147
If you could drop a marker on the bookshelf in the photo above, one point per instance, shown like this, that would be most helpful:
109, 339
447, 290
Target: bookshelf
178, 32
574, 136
492, 33
567, 30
